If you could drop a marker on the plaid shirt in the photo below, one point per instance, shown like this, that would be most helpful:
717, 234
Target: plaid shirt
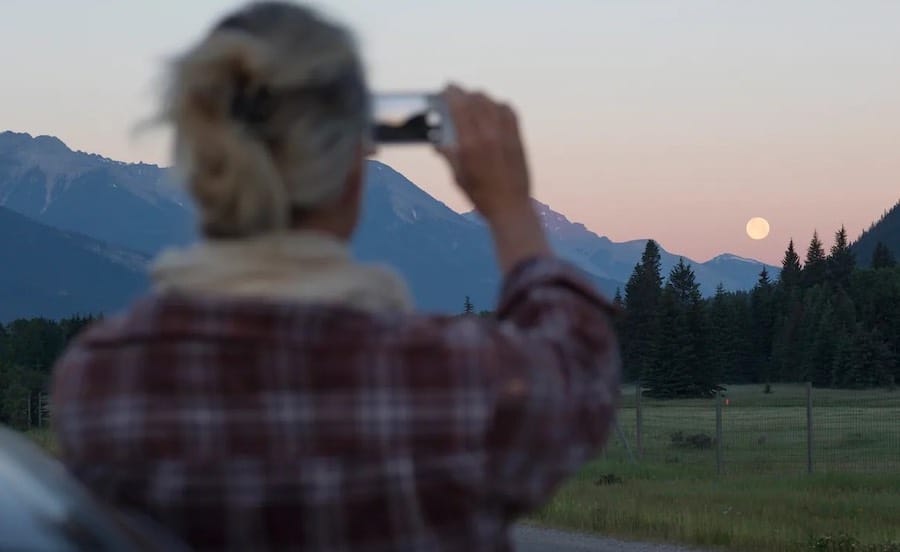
247, 425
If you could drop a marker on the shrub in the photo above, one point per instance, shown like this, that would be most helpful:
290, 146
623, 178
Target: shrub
699, 441
608, 479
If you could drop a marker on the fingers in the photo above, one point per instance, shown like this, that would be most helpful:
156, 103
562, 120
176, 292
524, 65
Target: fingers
458, 103
485, 114
477, 117
509, 122
488, 158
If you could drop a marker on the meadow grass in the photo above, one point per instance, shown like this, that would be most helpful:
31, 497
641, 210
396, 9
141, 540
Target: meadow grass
765, 500
749, 512
853, 431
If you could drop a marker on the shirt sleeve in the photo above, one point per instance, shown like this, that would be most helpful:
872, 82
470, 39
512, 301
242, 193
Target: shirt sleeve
553, 367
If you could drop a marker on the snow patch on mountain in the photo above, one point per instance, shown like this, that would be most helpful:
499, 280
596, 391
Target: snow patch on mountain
409, 202
729, 257
31, 158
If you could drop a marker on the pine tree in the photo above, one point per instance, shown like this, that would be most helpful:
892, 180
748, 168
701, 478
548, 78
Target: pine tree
682, 369
722, 343
640, 326
762, 313
786, 347
790, 269
882, 257
814, 269
786, 312
618, 302
842, 261
468, 307
828, 333
862, 359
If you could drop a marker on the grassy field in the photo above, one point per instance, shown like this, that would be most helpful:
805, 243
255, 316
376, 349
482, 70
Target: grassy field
765, 500
853, 431
751, 512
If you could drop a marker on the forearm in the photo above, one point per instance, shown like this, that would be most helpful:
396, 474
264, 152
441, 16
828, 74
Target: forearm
518, 235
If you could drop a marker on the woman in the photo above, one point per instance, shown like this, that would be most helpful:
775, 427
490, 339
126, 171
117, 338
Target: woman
271, 393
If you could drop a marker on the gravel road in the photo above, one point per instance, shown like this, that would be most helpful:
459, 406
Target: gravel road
528, 538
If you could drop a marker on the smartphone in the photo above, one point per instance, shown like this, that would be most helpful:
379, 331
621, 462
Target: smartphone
410, 117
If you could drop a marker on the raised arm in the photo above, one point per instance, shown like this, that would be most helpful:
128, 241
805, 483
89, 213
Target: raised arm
551, 361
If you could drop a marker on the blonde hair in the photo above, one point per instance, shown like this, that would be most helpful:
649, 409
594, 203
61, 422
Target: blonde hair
269, 111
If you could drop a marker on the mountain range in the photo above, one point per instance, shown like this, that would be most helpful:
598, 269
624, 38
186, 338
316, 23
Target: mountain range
109, 212
614, 261
131, 204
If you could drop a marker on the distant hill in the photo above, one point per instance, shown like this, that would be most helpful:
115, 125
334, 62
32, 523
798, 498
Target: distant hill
886, 231
51, 273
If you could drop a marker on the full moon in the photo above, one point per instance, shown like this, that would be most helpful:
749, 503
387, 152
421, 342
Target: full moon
758, 228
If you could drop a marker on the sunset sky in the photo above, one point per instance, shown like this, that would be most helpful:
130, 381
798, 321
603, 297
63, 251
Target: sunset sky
678, 120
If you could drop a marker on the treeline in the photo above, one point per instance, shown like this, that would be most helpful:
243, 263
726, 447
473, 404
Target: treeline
28, 349
823, 320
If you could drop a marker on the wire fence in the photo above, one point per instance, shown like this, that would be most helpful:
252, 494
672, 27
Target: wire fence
765, 430
749, 429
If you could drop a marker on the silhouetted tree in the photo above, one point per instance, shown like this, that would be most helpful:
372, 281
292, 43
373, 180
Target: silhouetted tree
618, 302
640, 327
683, 368
882, 257
762, 314
790, 269
815, 267
842, 261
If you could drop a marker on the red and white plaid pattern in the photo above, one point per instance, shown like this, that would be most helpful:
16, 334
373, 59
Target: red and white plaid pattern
246, 425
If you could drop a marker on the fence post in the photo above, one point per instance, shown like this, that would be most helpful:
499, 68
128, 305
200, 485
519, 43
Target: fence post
40, 409
719, 450
621, 435
809, 428
45, 407
639, 432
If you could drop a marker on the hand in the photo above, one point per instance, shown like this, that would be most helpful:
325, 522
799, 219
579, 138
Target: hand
488, 159
489, 164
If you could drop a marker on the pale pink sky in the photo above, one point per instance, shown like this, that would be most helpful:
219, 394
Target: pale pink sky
654, 118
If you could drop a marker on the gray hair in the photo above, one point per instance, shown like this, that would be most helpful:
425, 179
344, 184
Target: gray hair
269, 111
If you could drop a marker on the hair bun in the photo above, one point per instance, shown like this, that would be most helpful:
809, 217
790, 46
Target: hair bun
248, 144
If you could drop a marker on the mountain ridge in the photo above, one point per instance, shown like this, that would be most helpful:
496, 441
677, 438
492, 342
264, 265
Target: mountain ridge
444, 255
45, 180
616, 260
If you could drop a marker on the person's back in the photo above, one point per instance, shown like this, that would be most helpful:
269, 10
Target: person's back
273, 394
